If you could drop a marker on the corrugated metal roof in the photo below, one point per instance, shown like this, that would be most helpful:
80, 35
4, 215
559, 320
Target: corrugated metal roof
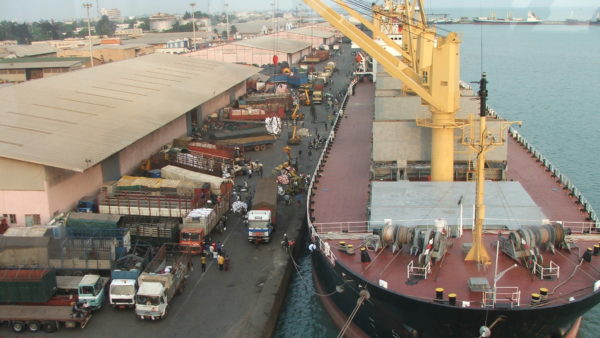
43, 64
420, 203
75, 120
158, 38
29, 50
271, 43
312, 32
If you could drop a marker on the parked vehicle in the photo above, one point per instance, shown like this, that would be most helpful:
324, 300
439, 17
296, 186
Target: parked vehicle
123, 286
199, 223
39, 317
263, 215
163, 278
256, 143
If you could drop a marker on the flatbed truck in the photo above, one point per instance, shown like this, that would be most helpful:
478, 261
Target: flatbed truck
34, 318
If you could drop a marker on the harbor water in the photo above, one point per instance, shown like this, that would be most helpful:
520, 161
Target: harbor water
547, 76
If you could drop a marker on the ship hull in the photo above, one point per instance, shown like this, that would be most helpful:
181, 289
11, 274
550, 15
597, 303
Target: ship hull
389, 314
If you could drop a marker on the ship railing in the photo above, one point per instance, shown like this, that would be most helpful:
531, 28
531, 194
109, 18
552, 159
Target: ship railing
349, 227
413, 271
580, 227
505, 295
560, 177
551, 272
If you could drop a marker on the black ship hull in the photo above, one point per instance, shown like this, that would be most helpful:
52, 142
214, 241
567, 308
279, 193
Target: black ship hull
389, 314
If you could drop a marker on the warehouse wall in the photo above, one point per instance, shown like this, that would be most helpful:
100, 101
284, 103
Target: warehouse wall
21, 203
132, 156
64, 194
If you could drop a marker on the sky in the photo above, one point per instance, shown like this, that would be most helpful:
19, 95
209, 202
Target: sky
33, 10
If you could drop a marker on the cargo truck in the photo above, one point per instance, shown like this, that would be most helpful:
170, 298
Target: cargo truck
29, 301
263, 215
163, 278
199, 223
123, 286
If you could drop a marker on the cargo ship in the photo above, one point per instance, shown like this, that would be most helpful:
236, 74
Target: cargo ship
531, 19
442, 220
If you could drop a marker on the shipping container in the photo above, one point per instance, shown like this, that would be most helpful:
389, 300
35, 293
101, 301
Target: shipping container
27, 285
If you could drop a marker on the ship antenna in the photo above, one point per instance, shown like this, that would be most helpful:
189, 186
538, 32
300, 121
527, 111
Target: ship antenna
480, 42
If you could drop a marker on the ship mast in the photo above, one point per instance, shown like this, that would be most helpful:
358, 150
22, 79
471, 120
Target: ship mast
478, 253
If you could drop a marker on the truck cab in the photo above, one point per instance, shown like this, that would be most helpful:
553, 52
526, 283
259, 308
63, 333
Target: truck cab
192, 238
317, 96
122, 293
260, 226
91, 291
151, 301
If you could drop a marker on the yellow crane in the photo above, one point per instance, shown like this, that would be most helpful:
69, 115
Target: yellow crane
432, 73
294, 138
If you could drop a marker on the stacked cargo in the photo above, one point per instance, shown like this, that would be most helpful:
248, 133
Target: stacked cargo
152, 230
149, 197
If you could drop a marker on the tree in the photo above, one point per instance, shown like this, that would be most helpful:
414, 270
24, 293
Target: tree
105, 26
187, 15
224, 35
145, 25
233, 30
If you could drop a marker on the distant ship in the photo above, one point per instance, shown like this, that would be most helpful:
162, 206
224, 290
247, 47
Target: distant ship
532, 19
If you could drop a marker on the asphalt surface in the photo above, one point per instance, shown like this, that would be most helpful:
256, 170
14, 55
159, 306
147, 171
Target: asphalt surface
244, 301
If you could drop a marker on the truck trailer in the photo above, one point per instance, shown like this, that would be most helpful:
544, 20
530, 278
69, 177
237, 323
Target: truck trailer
263, 215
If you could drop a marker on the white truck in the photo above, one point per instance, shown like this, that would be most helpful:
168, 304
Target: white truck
162, 279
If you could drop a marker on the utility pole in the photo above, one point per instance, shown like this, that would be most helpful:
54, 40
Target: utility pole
193, 4
227, 19
273, 18
87, 6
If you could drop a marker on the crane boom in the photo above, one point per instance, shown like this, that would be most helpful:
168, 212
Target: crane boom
434, 76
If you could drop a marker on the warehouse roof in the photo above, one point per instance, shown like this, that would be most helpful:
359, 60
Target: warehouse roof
32, 62
75, 120
312, 32
28, 50
271, 43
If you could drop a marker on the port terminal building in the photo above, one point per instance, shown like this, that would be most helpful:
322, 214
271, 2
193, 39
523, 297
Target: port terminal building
62, 137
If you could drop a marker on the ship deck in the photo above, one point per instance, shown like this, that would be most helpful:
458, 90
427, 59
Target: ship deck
339, 212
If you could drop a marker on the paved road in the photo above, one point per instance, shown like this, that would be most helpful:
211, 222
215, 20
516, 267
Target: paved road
235, 303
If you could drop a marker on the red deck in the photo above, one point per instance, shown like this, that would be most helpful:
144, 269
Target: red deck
342, 195
343, 189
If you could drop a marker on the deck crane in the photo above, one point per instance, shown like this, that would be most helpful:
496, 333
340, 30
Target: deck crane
430, 68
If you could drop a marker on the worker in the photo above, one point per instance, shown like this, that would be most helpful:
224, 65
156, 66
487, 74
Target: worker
220, 261
203, 262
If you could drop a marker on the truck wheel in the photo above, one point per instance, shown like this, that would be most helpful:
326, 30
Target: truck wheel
263, 147
165, 314
256, 148
49, 326
33, 326
18, 326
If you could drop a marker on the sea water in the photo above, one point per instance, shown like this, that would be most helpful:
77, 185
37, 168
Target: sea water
547, 76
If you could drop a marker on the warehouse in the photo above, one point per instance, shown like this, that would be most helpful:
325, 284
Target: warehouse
63, 136
316, 35
257, 51
30, 68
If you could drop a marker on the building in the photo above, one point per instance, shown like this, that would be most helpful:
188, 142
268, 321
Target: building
160, 40
24, 69
70, 42
109, 53
62, 137
113, 14
257, 51
161, 22
313, 35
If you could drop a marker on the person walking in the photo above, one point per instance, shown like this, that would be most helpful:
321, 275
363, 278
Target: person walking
309, 153
203, 262
220, 261
260, 169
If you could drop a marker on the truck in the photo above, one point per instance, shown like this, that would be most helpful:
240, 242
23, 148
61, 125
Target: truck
123, 285
151, 230
90, 288
262, 218
256, 143
330, 66
41, 317
30, 300
162, 279
199, 223
149, 197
